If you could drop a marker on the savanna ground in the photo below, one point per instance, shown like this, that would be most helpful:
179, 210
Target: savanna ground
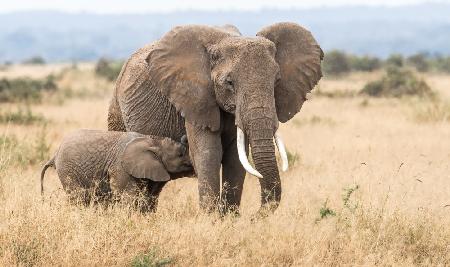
369, 184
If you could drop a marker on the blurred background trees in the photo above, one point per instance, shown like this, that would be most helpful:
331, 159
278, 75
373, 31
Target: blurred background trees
337, 62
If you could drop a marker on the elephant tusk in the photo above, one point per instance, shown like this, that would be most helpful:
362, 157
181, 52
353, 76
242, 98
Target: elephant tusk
243, 156
282, 150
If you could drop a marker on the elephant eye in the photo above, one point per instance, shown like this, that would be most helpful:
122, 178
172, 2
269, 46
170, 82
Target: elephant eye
229, 83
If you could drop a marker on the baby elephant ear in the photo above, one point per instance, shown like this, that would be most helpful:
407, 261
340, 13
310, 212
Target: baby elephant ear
140, 161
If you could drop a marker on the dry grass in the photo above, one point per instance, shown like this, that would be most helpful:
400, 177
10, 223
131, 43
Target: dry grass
383, 174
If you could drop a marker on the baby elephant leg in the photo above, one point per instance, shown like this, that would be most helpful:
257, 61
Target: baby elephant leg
153, 189
131, 191
78, 195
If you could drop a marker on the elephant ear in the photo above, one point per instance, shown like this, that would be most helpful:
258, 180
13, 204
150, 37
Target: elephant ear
180, 69
140, 160
299, 57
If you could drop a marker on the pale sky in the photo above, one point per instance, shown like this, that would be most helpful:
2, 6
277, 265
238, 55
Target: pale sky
142, 6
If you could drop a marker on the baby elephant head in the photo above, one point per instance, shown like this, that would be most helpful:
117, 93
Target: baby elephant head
175, 155
147, 158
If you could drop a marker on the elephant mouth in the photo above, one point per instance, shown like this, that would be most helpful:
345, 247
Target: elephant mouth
243, 156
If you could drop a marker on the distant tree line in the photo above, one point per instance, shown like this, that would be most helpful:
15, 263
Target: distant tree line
25, 89
337, 62
108, 68
37, 60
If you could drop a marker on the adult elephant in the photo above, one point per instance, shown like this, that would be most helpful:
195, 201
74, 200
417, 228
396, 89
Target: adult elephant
224, 91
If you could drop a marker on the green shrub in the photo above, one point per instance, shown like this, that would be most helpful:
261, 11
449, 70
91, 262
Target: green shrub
395, 60
346, 197
325, 211
150, 259
397, 82
35, 60
441, 64
108, 69
21, 116
25, 89
336, 63
419, 61
365, 63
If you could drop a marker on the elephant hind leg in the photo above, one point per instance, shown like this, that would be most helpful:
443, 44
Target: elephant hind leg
115, 121
79, 196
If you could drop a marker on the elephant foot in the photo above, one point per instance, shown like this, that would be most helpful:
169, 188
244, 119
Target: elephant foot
264, 211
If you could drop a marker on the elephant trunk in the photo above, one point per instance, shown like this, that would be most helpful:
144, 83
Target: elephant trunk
260, 132
263, 154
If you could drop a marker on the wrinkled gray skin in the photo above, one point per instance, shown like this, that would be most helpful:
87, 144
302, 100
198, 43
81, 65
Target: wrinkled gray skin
97, 165
204, 81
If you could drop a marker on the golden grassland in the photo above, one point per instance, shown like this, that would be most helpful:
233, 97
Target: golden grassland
369, 184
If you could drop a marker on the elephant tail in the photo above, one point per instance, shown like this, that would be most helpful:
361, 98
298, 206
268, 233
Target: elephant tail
50, 163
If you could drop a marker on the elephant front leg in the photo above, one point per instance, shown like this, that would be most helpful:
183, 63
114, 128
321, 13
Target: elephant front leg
131, 191
233, 173
206, 155
152, 193
233, 176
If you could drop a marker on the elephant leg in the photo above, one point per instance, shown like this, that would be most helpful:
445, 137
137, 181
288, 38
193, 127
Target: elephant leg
233, 173
153, 191
206, 155
80, 197
115, 121
77, 193
134, 194
129, 190
233, 176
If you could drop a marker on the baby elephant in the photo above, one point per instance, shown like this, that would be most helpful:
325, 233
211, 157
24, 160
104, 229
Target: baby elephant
97, 165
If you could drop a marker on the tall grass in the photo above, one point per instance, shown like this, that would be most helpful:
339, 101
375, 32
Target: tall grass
22, 153
431, 111
23, 115
368, 185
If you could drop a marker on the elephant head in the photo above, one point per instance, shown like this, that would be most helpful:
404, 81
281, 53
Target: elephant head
261, 80
144, 157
